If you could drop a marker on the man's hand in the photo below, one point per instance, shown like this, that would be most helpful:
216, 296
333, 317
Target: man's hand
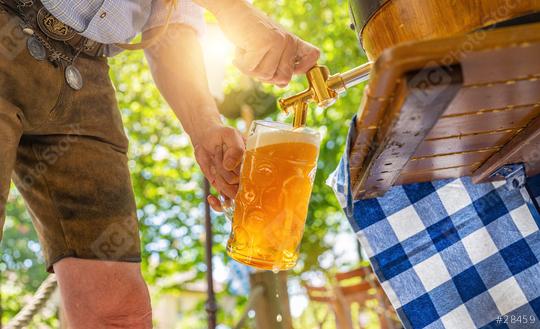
219, 150
265, 50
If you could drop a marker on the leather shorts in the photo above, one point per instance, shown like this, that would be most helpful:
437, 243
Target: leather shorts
66, 151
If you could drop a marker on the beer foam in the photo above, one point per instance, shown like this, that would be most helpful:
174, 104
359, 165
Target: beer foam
267, 138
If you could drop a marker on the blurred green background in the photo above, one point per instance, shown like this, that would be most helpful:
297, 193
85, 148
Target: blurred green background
168, 184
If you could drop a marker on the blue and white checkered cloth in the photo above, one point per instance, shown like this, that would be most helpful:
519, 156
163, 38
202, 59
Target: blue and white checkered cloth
452, 254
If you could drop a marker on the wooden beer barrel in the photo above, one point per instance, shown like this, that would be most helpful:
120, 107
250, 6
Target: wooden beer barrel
382, 24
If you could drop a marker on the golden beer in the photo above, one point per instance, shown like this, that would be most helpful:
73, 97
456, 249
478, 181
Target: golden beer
272, 203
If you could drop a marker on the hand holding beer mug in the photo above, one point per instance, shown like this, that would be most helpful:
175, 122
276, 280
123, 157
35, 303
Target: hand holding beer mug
270, 209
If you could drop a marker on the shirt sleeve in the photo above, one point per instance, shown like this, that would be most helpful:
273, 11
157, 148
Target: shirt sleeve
186, 12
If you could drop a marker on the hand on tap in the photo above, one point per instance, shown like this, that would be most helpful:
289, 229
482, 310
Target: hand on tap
264, 49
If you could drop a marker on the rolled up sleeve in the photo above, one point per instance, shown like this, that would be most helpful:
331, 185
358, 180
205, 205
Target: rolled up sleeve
187, 13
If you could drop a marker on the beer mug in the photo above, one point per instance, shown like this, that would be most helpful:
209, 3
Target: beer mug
269, 212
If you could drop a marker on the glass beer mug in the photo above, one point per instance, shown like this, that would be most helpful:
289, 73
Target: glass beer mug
270, 209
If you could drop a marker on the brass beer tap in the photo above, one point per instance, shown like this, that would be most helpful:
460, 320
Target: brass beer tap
324, 90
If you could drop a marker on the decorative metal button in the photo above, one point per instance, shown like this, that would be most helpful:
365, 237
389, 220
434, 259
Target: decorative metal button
55, 56
28, 31
36, 49
73, 77
103, 14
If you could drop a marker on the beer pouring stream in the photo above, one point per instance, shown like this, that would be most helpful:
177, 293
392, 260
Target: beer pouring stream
324, 90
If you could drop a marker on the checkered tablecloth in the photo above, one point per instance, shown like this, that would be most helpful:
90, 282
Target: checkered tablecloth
452, 254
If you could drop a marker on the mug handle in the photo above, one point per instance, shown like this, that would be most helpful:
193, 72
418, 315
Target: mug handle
228, 207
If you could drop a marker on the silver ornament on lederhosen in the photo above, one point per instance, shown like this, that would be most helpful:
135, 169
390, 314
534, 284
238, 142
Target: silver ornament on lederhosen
36, 49
73, 77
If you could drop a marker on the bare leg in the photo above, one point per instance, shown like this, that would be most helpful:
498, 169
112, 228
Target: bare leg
103, 294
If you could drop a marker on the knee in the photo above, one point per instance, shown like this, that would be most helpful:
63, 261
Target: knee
127, 306
104, 295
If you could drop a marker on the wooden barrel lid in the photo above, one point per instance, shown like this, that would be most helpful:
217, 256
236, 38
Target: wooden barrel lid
382, 24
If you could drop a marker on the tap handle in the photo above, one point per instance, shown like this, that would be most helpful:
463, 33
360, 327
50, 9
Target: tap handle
324, 89
318, 77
